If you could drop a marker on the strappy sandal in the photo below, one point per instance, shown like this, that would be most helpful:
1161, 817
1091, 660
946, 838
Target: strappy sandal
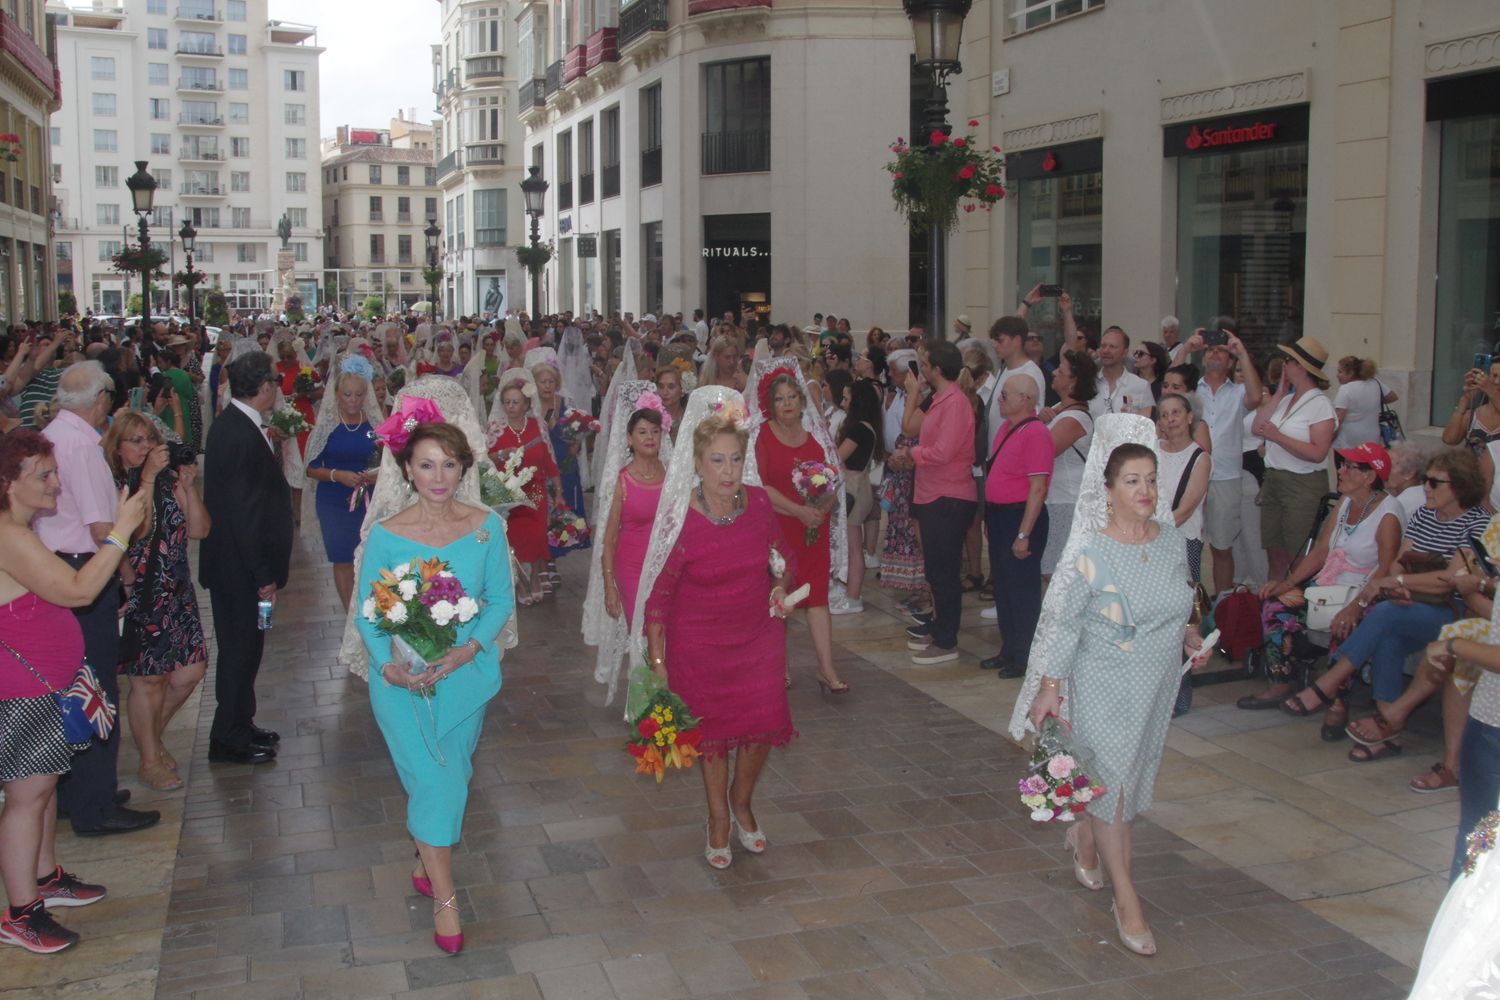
972, 582
1296, 706
1423, 784
1365, 754
1385, 731
1332, 732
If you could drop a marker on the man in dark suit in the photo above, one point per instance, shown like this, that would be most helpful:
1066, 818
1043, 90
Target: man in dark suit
247, 555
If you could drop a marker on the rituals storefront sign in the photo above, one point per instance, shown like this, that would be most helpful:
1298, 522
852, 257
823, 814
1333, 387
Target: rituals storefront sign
1223, 135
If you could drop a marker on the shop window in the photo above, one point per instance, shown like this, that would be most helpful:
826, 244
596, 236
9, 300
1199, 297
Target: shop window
1467, 320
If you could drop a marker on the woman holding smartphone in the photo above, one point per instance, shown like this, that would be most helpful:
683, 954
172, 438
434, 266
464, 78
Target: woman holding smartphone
1476, 416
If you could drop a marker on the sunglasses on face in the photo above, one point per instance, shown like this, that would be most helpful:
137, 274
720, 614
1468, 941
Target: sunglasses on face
1433, 482
1358, 466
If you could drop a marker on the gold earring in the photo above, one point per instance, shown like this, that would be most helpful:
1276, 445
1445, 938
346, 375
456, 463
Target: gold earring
1109, 509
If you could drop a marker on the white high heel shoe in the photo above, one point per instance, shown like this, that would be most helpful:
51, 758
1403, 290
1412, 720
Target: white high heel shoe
751, 840
1141, 944
1089, 878
717, 857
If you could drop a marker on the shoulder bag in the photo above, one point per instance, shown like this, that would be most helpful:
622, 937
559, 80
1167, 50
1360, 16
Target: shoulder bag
85, 709
132, 629
990, 463
1390, 424
1187, 474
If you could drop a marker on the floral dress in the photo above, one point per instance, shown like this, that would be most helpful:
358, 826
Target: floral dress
901, 559
171, 628
569, 472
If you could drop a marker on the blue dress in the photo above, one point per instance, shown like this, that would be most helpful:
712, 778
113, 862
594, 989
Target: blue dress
569, 476
348, 451
432, 741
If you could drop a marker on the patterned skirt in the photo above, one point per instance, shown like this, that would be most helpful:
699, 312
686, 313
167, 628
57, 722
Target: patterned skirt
31, 739
901, 560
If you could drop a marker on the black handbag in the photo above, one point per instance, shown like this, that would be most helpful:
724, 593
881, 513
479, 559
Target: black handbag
1390, 423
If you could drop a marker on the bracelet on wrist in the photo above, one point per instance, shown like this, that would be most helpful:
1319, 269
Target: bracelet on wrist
113, 539
1448, 645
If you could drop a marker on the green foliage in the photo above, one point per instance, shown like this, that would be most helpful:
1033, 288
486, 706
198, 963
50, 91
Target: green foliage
132, 260
133, 305
534, 258
432, 275
215, 308
67, 303
374, 307
189, 279
930, 183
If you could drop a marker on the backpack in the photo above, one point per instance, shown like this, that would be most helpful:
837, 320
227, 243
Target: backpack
1237, 616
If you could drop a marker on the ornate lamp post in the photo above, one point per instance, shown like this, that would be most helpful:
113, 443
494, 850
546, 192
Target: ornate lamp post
534, 189
938, 28
432, 232
189, 237
142, 188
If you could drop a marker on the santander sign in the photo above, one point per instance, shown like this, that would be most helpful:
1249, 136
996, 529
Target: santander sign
1259, 132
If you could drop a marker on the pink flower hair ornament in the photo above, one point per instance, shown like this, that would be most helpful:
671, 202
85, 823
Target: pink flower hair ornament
651, 401
396, 428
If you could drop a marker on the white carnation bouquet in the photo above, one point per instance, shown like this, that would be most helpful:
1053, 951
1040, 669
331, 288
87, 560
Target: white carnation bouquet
420, 604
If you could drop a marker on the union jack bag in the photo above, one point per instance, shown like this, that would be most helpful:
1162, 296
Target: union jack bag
84, 707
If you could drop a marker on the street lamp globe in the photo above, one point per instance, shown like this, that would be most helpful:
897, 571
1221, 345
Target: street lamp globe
142, 189
938, 27
534, 190
432, 232
188, 235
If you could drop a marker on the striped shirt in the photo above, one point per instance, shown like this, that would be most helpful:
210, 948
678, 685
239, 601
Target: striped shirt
1440, 538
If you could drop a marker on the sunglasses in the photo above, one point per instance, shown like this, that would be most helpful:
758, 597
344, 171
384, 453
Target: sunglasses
1346, 464
1433, 482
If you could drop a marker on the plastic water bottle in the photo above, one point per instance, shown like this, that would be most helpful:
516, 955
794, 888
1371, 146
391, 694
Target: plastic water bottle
263, 615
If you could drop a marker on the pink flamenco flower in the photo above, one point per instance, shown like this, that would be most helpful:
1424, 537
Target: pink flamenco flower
396, 428
651, 401
1061, 766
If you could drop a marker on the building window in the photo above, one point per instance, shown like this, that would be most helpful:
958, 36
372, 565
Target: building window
156, 6
430, 209
244, 253
489, 218
239, 79
239, 113
239, 146
108, 249
161, 144
161, 217
1060, 235
377, 248
429, 176
609, 153
459, 220
204, 253
56, 135
610, 249
156, 74
377, 208
296, 181
237, 45
1027, 14
586, 162
102, 67
293, 79
565, 171
296, 149
239, 218
482, 31
156, 38
299, 252
651, 135
297, 217
163, 179
374, 173
159, 109
239, 181
103, 105
737, 116
403, 250
201, 113
403, 209
107, 215
651, 274
235, 10
295, 114
106, 140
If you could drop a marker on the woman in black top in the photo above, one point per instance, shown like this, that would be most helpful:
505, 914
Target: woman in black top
858, 445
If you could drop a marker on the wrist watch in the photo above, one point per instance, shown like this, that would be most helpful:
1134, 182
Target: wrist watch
1020, 536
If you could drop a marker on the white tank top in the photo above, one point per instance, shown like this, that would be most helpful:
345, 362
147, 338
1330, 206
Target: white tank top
1173, 466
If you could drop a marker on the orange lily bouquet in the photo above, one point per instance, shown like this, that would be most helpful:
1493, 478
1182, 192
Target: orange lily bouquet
420, 605
665, 734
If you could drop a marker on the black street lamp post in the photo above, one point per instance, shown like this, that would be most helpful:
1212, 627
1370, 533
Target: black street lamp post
938, 28
432, 232
534, 190
189, 237
142, 188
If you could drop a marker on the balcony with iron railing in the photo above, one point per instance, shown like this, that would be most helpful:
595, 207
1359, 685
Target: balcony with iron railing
404, 258
575, 63
714, 6
489, 153
194, 50
603, 46
377, 216
650, 167
554, 78
447, 164
533, 94
609, 180
740, 152
199, 85
403, 216
640, 19
585, 189
564, 195
202, 191
489, 237
199, 14
192, 154
484, 69
196, 120
377, 258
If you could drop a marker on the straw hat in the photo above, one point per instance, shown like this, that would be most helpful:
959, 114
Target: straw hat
1310, 354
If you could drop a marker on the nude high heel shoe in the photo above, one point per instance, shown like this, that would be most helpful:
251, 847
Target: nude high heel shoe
1089, 878
1141, 944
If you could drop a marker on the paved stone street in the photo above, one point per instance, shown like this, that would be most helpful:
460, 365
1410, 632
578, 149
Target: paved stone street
901, 863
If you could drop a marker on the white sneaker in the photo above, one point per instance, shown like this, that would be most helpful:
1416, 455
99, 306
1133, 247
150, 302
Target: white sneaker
872, 560
845, 606
989, 614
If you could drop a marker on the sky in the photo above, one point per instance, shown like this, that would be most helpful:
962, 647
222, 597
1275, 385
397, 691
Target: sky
375, 64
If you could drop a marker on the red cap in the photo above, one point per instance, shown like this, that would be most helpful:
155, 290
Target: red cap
1372, 454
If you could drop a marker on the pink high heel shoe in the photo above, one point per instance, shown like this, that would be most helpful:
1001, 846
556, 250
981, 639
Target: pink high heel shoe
450, 943
422, 883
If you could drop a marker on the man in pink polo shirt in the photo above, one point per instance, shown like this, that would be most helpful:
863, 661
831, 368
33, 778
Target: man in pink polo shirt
944, 499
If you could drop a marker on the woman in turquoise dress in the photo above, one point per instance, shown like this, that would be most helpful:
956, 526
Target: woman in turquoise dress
1123, 576
432, 720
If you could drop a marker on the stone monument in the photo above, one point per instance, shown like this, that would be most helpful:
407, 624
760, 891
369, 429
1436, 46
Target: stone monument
286, 267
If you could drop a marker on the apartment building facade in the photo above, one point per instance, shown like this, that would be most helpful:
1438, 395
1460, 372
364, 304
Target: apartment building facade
28, 95
719, 154
379, 195
478, 149
1330, 170
222, 103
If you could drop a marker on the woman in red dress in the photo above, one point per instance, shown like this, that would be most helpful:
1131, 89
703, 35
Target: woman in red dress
287, 367
782, 443
526, 527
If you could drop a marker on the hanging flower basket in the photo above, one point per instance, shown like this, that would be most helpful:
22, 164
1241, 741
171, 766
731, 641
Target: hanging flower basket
10, 147
534, 258
432, 276
931, 184
132, 260
189, 279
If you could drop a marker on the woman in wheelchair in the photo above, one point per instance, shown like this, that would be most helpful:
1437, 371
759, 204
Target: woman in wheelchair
1360, 539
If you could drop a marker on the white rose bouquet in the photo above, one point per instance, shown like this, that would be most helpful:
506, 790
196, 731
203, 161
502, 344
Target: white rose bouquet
420, 606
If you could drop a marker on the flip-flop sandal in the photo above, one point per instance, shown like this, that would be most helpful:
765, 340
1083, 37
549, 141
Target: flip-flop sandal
1423, 784
1365, 754
1294, 705
1385, 729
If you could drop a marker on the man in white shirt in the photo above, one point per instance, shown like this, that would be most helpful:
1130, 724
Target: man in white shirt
1120, 391
1171, 333
1008, 336
700, 329
1224, 404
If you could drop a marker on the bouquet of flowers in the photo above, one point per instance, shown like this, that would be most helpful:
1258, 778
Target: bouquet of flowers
287, 419
665, 733
576, 424
505, 487
420, 605
305, 382
818, 482
1057, 788
566, 530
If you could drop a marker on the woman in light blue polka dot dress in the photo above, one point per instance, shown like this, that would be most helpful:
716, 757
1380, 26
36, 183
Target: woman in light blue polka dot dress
1122, 599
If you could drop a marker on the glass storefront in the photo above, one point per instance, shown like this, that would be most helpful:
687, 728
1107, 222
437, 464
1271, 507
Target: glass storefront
1059, 196
1467, 317
1242, 223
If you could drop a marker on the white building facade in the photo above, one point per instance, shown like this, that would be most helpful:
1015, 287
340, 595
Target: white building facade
28, 95
719, 154
1324, 169
478, 148
222, 103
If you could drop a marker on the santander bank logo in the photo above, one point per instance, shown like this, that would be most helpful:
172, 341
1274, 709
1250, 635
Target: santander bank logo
1259, 132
